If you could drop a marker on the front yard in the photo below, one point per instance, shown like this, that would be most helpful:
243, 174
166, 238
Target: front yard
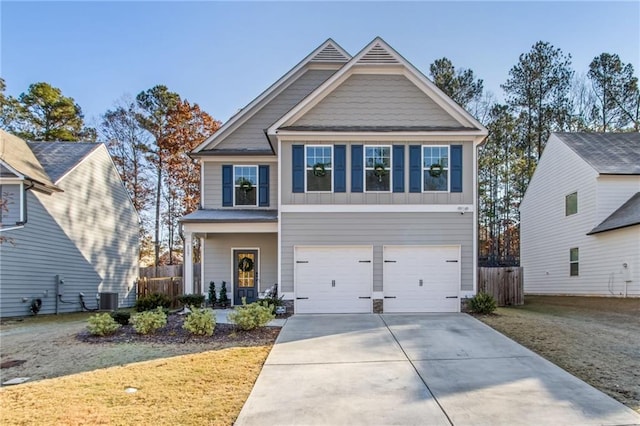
596, 339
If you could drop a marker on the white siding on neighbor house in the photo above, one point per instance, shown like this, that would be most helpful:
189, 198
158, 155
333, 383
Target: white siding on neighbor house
377, 229
612, 191
377, 100
212, 172
406, 197
30, 261
250, 135
217, 252
95, 211
547, 235
10, 194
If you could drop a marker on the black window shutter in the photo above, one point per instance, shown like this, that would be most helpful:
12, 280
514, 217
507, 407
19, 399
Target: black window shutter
263, 184
398, 168
356, 168
456, 168
340, 168
297, 176
227, 186
415, 168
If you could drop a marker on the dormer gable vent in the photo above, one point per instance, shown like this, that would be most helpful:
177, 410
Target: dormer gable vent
330, 54
378, 55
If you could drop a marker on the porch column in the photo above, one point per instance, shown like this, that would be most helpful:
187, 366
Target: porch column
188, 264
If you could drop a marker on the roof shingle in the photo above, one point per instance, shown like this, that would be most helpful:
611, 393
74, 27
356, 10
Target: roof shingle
607, 153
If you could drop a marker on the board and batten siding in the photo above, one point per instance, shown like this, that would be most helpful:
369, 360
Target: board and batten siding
377, 100
250, 135
406, 197
377, 229
217, 252
212, 184
10, 193
547, 234
30, 262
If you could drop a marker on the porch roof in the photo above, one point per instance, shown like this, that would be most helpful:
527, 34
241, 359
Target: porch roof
230, 215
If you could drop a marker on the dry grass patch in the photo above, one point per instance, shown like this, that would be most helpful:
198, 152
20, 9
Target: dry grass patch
199, 389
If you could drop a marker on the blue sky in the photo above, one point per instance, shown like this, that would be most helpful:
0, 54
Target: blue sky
223, 54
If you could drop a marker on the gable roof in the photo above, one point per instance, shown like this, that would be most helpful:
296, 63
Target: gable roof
329, 54
16, 154
58, 158
627, 214
379, 53
607, 153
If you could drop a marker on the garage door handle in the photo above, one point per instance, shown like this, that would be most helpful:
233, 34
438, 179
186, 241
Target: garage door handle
302, 298
364, 261
302, 261
451, 297
389, 297
452, 261
390, 261
364, 297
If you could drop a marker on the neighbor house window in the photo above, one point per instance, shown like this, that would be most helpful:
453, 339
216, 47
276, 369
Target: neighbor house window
573, 262
435, 168
245, 181
571, 204
319, 166
377, 168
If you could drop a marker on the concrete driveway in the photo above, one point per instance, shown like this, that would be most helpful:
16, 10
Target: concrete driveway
426, 369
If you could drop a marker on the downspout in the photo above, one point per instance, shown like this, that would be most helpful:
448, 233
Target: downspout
24, 203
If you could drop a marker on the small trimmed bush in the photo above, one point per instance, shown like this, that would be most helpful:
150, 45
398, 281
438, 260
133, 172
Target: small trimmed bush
152, 301
200, 322
482, 303
254, 315
212, 294
102, 325
121, 317
191, 299
223, 300
149, 321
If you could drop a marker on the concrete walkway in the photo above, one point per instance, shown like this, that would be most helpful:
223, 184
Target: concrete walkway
427, 369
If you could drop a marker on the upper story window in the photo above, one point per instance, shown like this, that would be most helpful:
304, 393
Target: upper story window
435, 168
574, 254
11, 210
377, 168
245, 181
571, 204
319, 166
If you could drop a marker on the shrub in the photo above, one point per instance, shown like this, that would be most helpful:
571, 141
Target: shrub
272, 298
248, 317
200, 322
152, 301
223, 300
212, 294
102, 325
121, 317
482, 303
191, 299
149, 321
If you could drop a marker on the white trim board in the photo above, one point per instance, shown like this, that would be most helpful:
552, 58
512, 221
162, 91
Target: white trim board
377, 208
231, 227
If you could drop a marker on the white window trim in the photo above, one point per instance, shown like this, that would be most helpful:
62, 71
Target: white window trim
364, 169
306, 169
256, 187
565, 204
424, 169
20, 202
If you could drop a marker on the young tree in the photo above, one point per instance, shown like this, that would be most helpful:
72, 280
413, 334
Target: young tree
460, 85
616, 90
9, 110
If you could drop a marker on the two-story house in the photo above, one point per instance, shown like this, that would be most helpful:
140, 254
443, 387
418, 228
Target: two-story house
580, 217
350, 182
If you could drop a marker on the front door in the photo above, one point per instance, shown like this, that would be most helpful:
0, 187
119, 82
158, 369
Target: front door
245, 276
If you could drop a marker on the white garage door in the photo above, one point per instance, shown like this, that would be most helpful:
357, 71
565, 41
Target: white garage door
333, 279
421, 278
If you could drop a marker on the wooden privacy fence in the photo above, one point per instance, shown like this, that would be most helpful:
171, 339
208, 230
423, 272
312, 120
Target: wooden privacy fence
167, 280
504, 284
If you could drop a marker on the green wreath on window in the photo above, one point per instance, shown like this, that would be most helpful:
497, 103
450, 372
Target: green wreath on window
319, 170
379, 170
245, 184
435, 170
245, 264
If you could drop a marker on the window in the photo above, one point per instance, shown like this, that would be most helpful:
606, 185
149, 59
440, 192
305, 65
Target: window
435, 168
377, 168
571, 204
245, 182
11, 206
573, 262
319, 166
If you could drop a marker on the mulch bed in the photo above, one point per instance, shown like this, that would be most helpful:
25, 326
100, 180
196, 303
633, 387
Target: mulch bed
173, 333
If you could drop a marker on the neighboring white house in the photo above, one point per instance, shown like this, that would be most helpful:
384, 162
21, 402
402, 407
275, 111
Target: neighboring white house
580, 217
69, 227
350, 182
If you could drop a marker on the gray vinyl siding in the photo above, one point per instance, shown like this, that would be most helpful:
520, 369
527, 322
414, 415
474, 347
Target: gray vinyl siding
377, 100
212, 174
465, 197
217, 258
377, 229
88, 233
10, 194
250, 135
4, 172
